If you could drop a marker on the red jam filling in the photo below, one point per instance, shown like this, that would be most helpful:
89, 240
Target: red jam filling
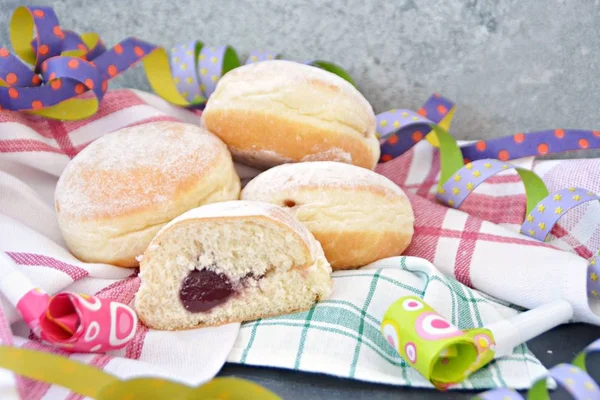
203, 290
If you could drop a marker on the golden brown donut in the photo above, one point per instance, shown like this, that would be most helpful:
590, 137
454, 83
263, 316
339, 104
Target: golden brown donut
357, 215
117, 193
276, 112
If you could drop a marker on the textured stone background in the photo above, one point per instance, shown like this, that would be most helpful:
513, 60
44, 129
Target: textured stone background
510, 65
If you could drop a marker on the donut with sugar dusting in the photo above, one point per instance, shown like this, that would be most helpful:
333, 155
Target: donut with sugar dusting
117, 193
276, 112
357, 215
230, 262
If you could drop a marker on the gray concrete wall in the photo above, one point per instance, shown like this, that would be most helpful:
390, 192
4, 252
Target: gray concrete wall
510, 65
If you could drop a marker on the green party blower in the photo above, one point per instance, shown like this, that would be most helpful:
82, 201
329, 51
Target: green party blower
446, 355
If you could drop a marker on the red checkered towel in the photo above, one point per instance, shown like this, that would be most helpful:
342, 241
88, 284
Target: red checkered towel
479, 244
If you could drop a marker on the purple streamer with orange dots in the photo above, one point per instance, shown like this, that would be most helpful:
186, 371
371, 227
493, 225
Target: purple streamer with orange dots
396, 138
62, 77
63, 67
573, 378
400, 130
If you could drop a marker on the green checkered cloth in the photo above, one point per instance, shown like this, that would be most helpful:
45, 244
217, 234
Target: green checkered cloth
341, 336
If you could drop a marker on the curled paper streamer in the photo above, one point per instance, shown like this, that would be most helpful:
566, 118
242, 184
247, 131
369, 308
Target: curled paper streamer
397, 138
74, 322
74, 70
593, 287
573, 378
62, 75
197, 68
94, 383
442, 353
464, 169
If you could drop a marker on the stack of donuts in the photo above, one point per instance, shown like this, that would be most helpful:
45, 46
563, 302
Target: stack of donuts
167, 197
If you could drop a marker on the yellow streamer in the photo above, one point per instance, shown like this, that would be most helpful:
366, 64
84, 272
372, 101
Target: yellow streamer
94, 383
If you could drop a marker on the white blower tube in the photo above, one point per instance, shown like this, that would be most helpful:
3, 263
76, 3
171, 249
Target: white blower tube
508, 334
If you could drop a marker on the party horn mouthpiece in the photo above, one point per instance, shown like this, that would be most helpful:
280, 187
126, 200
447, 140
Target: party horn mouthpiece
525, 326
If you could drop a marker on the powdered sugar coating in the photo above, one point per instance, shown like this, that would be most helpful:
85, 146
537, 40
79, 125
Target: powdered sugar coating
318, 174
275, 76
136, 168
333, 154
243, 209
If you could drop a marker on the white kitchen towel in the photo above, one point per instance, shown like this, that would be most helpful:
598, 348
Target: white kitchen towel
341, 335
34, 151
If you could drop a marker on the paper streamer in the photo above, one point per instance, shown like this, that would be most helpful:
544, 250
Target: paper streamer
399, 130
534, 144
62, 75
184, 68
462, 183
440, 110
593, 282
437, 109
74, 70
442, 353
74, 322
548, 211
214, 62
573, 378
261, 55
94, 383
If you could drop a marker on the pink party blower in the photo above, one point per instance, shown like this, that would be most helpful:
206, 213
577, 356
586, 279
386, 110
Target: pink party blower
71, 321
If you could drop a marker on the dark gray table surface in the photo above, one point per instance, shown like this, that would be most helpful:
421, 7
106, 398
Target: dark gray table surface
552, 348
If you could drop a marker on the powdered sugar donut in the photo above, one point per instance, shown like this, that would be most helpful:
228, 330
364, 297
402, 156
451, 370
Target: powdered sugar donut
357, 215
276, 112
230, 262
119, 191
